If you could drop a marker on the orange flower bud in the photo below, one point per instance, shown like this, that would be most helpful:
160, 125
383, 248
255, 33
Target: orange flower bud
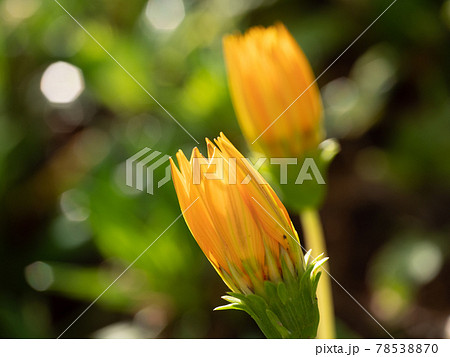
241, 226
267, 72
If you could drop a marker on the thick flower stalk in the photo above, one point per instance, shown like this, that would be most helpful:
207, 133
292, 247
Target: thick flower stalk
246, 233
267, 73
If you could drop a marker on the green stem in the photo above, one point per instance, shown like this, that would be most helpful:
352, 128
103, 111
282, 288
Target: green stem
314, 239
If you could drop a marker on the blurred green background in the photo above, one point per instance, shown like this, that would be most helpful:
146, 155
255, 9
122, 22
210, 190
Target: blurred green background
70, 117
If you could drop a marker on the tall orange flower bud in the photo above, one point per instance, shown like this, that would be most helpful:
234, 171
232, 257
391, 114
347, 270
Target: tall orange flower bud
246, 233
267, 72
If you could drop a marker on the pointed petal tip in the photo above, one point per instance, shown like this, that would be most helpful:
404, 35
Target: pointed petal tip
220, 138
174, 166
180, 156
211, 148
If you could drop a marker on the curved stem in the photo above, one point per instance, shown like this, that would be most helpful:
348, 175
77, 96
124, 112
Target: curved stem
314, 239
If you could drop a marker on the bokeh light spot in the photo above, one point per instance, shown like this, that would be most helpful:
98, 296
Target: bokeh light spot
18, 10
69, 234
165, 14
388, 303
341, 94
425, 262
75, 205
62, 83
39, 276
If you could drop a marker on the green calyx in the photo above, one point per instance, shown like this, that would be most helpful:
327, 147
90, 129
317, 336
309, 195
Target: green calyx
305, 186
286, 309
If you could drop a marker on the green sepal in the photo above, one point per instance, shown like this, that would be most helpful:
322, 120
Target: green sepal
287, 309
284, 332
310, 193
